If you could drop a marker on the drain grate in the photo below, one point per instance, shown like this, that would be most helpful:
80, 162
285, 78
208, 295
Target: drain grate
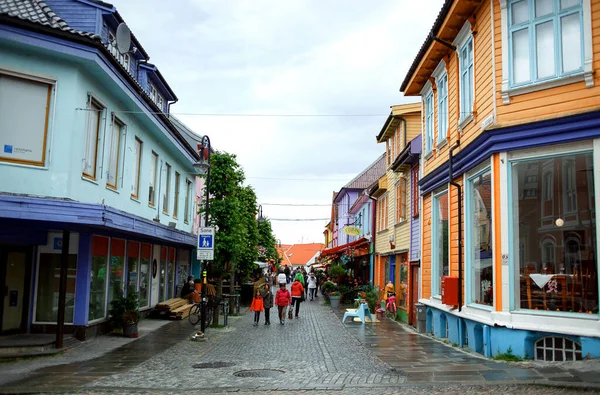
213, 365
259, 373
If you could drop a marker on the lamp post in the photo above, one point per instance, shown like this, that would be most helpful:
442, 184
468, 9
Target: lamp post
260, 217
204, 163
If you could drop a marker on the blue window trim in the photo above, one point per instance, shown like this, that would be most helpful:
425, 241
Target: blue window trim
512, 259
442, 110
530, 24
393, 269
435, 275
429, 121
468, 240
464, 112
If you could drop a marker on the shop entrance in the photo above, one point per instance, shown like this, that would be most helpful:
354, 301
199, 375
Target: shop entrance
413, 292
14, 275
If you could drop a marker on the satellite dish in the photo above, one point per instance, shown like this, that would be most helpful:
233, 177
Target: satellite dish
123, 38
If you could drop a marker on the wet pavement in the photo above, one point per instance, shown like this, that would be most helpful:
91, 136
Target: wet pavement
316, 353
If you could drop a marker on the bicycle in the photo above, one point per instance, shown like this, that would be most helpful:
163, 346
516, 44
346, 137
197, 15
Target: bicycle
196, 311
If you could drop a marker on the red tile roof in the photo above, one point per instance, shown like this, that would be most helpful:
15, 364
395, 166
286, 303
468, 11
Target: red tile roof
301, 254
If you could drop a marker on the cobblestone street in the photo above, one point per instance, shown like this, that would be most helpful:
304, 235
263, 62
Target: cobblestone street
315, 353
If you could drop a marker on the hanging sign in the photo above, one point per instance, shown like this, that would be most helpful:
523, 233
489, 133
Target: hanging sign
352, 230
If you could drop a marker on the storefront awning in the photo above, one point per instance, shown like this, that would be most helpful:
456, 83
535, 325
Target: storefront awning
354, 244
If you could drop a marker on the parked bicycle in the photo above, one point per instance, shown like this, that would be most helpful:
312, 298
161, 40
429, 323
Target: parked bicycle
196, 312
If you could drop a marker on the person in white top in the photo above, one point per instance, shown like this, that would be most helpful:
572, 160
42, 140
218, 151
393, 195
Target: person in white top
282, 278
312, 286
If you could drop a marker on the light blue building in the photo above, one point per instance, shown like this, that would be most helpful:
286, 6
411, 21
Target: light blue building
87, 151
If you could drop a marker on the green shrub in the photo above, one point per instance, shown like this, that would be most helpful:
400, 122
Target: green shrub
337, 272
124, 309
328, 286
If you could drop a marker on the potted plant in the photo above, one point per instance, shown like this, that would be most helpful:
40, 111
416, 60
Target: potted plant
124, 312
334, 299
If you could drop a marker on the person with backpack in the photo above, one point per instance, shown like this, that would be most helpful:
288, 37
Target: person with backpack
297, 293
282, 301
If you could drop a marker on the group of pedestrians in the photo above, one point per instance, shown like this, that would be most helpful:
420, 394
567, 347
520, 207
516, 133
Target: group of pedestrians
287, 301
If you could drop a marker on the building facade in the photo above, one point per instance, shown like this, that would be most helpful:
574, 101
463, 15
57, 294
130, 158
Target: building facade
511, 127
90, 160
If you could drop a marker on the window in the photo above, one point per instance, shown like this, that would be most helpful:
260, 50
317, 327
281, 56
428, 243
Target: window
466, 79
137, 165
439, 236
153, 174
415, 191
163, 274
442, 110
428, 122
569, 186
156, 97
176, 201
90, 159
561, 257
188, 201
166, 191
25, 107
117, 265
46, 309
557, 349
112, 173
170, 278
545, 40
97, 303
133, 261
382, 213
479, 238
401, 191
153, 93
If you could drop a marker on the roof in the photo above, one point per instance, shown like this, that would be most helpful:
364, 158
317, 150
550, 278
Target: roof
369, 175
445, 28
302, 254
281, 249
37, 11
393, 119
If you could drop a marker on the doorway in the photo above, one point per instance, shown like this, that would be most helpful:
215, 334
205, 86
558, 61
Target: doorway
413, 292
15, 272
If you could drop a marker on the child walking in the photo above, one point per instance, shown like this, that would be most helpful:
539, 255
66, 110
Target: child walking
267, 296
282, 300
257, 306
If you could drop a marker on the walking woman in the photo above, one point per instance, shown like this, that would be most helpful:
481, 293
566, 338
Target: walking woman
282, 300
297, 292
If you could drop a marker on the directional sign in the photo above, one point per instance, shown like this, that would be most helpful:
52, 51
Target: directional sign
206, 243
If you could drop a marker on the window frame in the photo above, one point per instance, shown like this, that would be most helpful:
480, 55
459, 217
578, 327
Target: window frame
48, 122
122, 128
167, 190
586, 75
440, 74
188, 201
436, 277
99, 108
429, 121
152, 180
176, 195
415, 191
464, 42
139, 144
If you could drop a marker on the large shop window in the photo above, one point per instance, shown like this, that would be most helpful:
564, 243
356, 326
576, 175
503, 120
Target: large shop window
163, 273
403, 283
145, 275
183, 265
556, 233
479, 238
46, 308
133, 260
439, 248
117, 263
171, 273
97, 305
24, 118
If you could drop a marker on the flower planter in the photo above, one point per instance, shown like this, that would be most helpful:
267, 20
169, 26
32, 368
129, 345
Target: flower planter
335, 301
131, 330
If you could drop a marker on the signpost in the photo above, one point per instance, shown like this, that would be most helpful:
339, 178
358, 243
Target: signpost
206, 244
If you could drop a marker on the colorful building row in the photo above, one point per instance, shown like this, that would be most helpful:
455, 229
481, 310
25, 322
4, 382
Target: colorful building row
90, 162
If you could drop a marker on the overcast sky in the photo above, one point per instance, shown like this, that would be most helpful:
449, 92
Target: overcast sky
275, 57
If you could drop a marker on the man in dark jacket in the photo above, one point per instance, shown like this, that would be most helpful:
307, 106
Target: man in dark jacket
187, 291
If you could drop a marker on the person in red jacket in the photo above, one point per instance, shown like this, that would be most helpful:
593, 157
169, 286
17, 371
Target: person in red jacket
282, 301
257, 306
297, 292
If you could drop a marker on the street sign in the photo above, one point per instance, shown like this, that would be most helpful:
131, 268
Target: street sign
206, 243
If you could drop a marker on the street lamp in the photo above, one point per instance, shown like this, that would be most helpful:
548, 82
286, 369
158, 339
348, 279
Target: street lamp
204, 165
260, 217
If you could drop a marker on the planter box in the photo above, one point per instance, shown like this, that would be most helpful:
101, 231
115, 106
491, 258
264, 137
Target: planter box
335, 301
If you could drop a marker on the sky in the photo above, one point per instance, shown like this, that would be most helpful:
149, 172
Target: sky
297, 90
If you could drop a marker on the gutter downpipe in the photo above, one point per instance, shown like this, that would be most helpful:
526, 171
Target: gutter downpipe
459, 190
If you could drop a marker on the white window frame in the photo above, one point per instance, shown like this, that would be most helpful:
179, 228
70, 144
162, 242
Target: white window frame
114, 152
92, 137
586, 75
152, 180
188, 201
176, 195
441, 81
167, 190
137, 166
436, 276
428, 118
463, 39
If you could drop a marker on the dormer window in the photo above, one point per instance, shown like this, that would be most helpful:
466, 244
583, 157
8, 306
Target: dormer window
123, 59
156, 97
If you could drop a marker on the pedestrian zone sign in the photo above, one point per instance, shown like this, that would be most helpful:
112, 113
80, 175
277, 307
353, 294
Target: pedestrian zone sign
206, 244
